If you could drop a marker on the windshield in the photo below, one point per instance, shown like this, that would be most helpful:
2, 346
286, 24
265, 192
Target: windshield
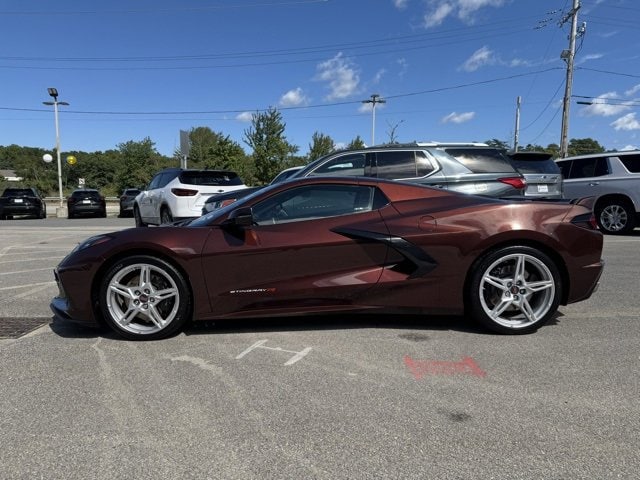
536, 166
17, 192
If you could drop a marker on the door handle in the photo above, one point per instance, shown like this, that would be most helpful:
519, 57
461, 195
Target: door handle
594, 184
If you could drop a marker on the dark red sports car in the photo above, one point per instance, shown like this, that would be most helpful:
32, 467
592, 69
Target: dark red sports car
319, 245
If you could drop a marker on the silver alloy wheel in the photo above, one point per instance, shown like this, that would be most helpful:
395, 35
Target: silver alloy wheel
613, 218
142, 299
517, 290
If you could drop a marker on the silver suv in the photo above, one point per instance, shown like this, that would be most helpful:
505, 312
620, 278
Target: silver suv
614, 178
489, 174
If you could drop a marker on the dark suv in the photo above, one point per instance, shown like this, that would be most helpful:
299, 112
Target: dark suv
86, 201
467, 168
22, 201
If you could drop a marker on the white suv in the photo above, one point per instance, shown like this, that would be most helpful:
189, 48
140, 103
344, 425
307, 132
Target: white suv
614, 179
177, 194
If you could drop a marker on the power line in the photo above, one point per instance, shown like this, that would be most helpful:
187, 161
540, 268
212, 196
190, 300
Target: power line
353, 102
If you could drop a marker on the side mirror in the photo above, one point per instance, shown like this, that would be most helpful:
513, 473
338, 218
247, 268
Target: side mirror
240, 217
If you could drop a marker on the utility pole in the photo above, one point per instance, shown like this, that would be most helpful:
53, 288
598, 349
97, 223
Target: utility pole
568, 56
517, 132
375, 99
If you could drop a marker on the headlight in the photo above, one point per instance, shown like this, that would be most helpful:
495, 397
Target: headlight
91, 241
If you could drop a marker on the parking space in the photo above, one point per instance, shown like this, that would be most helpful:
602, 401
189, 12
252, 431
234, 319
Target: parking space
316, 397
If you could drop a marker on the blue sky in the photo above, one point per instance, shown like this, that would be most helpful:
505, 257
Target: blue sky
449, 70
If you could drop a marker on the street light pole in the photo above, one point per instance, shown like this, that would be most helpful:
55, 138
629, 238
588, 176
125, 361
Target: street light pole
54, 93
375, 99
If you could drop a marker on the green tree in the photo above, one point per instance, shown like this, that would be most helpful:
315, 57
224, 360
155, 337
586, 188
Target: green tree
137, 164
271, 150
356, 143
496, 143
320, 145
583, 146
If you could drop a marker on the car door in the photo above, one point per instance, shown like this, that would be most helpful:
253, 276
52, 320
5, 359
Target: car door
585, 176
314, 247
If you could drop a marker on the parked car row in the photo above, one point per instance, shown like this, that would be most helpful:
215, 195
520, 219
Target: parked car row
474, 168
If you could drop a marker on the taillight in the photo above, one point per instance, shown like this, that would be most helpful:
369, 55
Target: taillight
586, 220
183, 192
516, 182
226, 202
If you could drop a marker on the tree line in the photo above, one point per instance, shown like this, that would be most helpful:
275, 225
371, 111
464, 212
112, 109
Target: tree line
133, 163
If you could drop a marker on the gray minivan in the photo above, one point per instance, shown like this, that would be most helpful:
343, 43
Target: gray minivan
614, 178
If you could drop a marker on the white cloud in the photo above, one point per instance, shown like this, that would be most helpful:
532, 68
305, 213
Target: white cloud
601, 108
437, 16
244, 117
342, 76
627, 122
482, 56
591, 56
400, 4
293, 98
404, 66
628, 147
632, 90
379, 74
439, 10
458, 117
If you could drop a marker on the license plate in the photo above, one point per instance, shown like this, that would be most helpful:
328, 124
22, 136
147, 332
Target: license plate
543, 189
86, 201
17, 200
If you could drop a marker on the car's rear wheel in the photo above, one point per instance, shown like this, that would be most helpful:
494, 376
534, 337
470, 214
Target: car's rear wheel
616, 217
165, 215
138, 217
514, 290
144, 298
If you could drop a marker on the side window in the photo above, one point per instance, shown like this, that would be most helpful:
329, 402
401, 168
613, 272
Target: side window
154, 182
313, 202
589, 167
396, 164
631, 162
351, 165
166, 178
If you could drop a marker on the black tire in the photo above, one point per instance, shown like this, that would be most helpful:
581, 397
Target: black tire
617, 217
70, 215
43, 213
165, 215
144, 298
138, 218
514, 290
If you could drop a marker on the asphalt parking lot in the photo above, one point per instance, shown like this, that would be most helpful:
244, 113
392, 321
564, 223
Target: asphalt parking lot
355, 397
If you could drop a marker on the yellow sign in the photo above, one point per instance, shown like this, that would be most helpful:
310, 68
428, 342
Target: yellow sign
71, 160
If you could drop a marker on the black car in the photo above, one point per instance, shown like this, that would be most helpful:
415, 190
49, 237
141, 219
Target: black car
86, 201
22, 201
126, 201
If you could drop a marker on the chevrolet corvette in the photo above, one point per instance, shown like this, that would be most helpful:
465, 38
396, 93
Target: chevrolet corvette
318, 245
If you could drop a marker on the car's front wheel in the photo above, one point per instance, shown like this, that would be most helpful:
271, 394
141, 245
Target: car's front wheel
514, 290
616, 217
144, 298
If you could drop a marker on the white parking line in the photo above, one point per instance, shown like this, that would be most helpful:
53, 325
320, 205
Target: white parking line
260, 344
26, 271
26, 286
